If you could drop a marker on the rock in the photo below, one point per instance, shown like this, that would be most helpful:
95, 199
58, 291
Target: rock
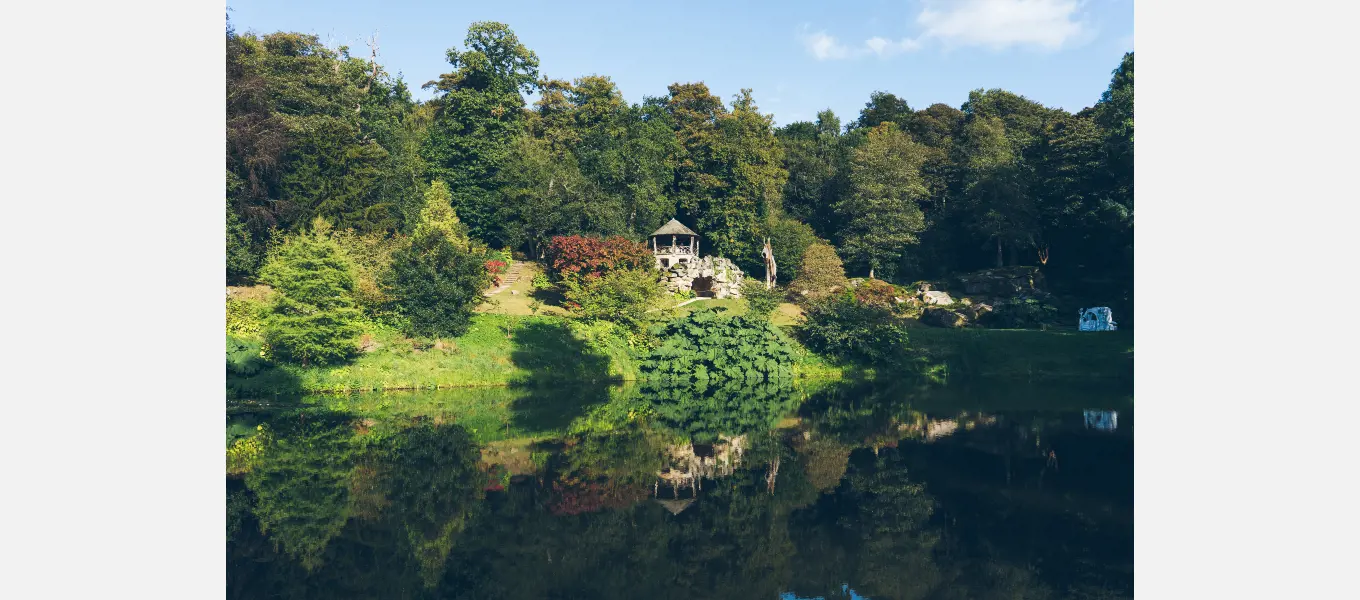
965, 301
941, 317
978, 311
514, 292
934, 297
923, 287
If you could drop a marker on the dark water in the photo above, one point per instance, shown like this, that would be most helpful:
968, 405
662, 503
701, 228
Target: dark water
866, 490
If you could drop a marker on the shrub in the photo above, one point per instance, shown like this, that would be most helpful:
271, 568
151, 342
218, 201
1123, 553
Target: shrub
244, 317
540, 282
706, 345
438, 215
312, 318
760, 301
849, 330
1021, 314
435, 285
820, 275
372, 257
495, 268
790, 239
621, 296
581, 255
876, 292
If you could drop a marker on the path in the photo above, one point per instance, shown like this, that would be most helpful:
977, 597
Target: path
511, 278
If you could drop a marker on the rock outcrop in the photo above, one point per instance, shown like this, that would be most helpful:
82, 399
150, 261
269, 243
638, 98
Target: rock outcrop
708, 276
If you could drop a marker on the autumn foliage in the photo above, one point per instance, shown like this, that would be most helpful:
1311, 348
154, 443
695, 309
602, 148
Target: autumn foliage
583, 255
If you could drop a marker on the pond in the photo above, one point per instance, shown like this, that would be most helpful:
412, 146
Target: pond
782, 491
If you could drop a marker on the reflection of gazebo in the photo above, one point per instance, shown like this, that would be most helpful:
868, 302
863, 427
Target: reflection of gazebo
674, 243
688, 469
675, 506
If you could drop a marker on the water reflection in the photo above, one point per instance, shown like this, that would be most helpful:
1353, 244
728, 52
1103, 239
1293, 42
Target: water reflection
863, 490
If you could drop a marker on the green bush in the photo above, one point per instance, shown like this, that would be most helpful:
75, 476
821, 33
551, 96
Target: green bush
243, 357
436, 285
876, 292
1021, 314
312, 318
621, 296
541, 282
760, 301
849, 330
706, 345
820, 275
790, 239
244, 317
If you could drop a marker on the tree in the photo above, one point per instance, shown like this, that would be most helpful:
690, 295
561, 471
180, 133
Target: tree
816, 159
435, 285
438, 215
995, 187
820, 273
479, 113
312, 318
884, 107
789, 238
881, 212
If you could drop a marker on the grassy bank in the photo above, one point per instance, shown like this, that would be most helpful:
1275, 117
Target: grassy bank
1026, 355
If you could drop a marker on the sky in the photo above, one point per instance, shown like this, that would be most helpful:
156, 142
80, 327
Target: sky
798, 56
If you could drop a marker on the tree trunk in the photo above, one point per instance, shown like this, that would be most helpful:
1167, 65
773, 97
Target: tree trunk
998, 253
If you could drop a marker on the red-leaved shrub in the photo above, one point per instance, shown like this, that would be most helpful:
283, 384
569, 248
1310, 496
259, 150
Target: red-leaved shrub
582, 255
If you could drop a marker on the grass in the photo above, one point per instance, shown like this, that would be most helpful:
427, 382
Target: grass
497, 350
519, 303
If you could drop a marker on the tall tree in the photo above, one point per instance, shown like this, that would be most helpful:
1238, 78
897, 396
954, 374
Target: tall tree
881, 210
479, 113
996, 192
884, 107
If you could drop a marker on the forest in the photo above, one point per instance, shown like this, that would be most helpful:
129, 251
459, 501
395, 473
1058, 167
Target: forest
327, 137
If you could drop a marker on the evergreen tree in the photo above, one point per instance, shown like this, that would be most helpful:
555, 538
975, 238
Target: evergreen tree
881, 212
435, 282
312, 319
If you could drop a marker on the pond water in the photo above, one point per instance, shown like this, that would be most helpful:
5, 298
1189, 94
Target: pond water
779, 491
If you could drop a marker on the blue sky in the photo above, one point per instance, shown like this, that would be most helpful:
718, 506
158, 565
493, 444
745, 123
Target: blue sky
798, 56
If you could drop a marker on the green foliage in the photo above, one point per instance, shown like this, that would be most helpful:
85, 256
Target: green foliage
621, 296
790, 239
312, 317
244, 357
854, 331
881, 212
244, 317
541, 282
761, 301
1022, 314
478, 115
820, 275
435, 285
438, 215
706, 345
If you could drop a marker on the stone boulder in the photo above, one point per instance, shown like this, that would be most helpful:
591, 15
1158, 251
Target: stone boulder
943, 317
1004, 282
936, 298
978, 312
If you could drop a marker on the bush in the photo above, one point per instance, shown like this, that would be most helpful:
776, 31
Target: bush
435, 285
244, 317
540, 282
581, 255
820, 275
790, 239
1021, 314
760, 301
706, 346
243, 357
621, 296
876, 292
312, 318
372, 257
852, 331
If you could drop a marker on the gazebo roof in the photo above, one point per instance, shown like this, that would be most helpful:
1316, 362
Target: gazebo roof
674, 228
676, 506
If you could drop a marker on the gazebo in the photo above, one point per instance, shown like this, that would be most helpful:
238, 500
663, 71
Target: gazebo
674, 243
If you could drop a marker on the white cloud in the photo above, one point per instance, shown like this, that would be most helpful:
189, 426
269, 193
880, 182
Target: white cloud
884, 47
1000, 24
826, 47
997, 24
